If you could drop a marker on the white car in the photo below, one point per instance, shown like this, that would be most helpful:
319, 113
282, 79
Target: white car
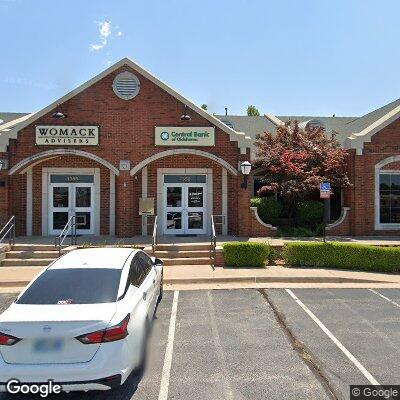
83, 322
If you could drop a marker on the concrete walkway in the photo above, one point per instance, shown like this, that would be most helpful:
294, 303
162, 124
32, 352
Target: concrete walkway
190, 277
172, 239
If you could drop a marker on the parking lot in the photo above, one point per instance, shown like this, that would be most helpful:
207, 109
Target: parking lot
272, 343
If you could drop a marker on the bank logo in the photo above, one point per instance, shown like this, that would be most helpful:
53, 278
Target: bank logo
164, 135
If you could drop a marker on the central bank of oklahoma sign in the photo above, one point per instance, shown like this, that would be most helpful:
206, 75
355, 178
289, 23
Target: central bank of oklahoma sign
48, 135
184, 136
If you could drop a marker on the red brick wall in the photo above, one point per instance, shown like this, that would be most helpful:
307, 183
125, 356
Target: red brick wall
126, 132
361, 196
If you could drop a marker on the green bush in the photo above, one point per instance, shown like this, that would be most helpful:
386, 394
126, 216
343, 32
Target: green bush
247, 254
269, 209
309, 213
342, 255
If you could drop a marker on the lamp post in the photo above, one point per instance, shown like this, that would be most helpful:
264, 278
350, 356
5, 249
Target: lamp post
245, 167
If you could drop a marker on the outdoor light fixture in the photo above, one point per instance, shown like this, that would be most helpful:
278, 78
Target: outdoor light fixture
59, 114
245, 167
185, 116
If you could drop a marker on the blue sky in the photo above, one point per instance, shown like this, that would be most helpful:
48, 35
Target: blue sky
304, 57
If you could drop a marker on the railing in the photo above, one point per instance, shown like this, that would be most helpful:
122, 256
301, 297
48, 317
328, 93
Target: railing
8, 229
154, 235
70, 226
214, 236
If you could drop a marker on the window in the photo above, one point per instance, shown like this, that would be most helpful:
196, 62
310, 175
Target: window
145, 262
140, 267
389, 198
74, 286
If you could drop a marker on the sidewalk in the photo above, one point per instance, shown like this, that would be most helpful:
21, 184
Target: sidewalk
196, 277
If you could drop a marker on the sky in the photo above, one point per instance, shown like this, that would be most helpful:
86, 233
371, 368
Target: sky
300, 57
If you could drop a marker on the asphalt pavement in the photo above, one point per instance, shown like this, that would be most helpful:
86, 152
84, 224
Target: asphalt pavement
264, 344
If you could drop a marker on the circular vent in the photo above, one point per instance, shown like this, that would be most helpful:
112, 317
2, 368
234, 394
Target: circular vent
126, 85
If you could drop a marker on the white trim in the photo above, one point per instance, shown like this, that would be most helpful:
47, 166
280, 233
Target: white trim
269, 226
225, 201
46, 172
378, 170
160, 191
240, 137
112, 203
275, 120
341, 218
29, 203
57, 152
196, 152
144, 196
356, 140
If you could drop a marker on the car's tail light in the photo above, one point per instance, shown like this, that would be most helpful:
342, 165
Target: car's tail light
8, 340
111, 334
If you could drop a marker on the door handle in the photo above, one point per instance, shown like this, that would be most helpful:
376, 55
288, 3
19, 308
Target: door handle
144, 295
154, 281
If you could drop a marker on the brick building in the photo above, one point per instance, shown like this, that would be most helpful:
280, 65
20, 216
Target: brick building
125, 147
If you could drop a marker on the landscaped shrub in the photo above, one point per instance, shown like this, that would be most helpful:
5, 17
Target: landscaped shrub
247, 254
269, 209
342, 255
309, 213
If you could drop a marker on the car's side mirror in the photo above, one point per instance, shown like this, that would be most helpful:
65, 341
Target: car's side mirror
158, 262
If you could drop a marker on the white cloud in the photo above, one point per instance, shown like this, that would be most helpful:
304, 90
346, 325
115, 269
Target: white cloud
105, 30
104, 33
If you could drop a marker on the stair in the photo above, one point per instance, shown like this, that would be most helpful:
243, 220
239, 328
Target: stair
184, 254
29, 255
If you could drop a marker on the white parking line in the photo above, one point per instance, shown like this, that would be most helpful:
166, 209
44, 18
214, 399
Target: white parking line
347, 353
384, 297
164, 386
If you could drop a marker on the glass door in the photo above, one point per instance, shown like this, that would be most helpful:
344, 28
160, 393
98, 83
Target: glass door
59, 208
82, 200
195, 209
173, 215
71, 195
185, 207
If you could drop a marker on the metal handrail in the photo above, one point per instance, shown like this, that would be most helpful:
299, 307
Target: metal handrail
154, 235
70, 225
8, 229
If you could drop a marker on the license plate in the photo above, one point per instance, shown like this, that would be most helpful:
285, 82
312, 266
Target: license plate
48, 345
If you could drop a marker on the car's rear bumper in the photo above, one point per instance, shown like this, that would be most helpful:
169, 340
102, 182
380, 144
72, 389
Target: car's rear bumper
111, 360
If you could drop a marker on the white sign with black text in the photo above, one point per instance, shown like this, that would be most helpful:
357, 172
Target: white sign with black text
53, 135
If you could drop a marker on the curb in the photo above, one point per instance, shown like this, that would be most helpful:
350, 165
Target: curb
269, 279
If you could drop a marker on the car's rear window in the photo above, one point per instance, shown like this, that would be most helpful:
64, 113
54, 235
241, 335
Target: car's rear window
74, 286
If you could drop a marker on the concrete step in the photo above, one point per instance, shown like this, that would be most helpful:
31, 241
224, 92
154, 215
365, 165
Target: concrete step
187, 261
182, 253
27, 262
183, 246
33, 247
32, 254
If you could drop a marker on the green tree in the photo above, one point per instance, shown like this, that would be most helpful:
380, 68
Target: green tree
204, 107
252, 111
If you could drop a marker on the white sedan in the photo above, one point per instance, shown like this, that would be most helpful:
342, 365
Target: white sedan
83, 322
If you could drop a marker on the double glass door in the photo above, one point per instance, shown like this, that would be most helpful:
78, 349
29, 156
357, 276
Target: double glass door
71, 195
185, 211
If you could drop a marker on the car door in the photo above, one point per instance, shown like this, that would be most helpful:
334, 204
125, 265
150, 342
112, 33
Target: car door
147, 265
144, 282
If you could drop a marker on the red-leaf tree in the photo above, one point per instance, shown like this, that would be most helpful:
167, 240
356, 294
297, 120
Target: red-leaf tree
295, 161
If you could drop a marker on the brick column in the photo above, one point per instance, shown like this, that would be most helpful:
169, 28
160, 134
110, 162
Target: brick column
4, 207
124, 204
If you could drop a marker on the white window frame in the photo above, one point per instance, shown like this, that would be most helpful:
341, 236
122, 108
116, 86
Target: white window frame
379, 226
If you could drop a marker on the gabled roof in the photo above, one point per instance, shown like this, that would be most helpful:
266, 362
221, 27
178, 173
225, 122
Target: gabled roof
243, 140
268, 123
9, 116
